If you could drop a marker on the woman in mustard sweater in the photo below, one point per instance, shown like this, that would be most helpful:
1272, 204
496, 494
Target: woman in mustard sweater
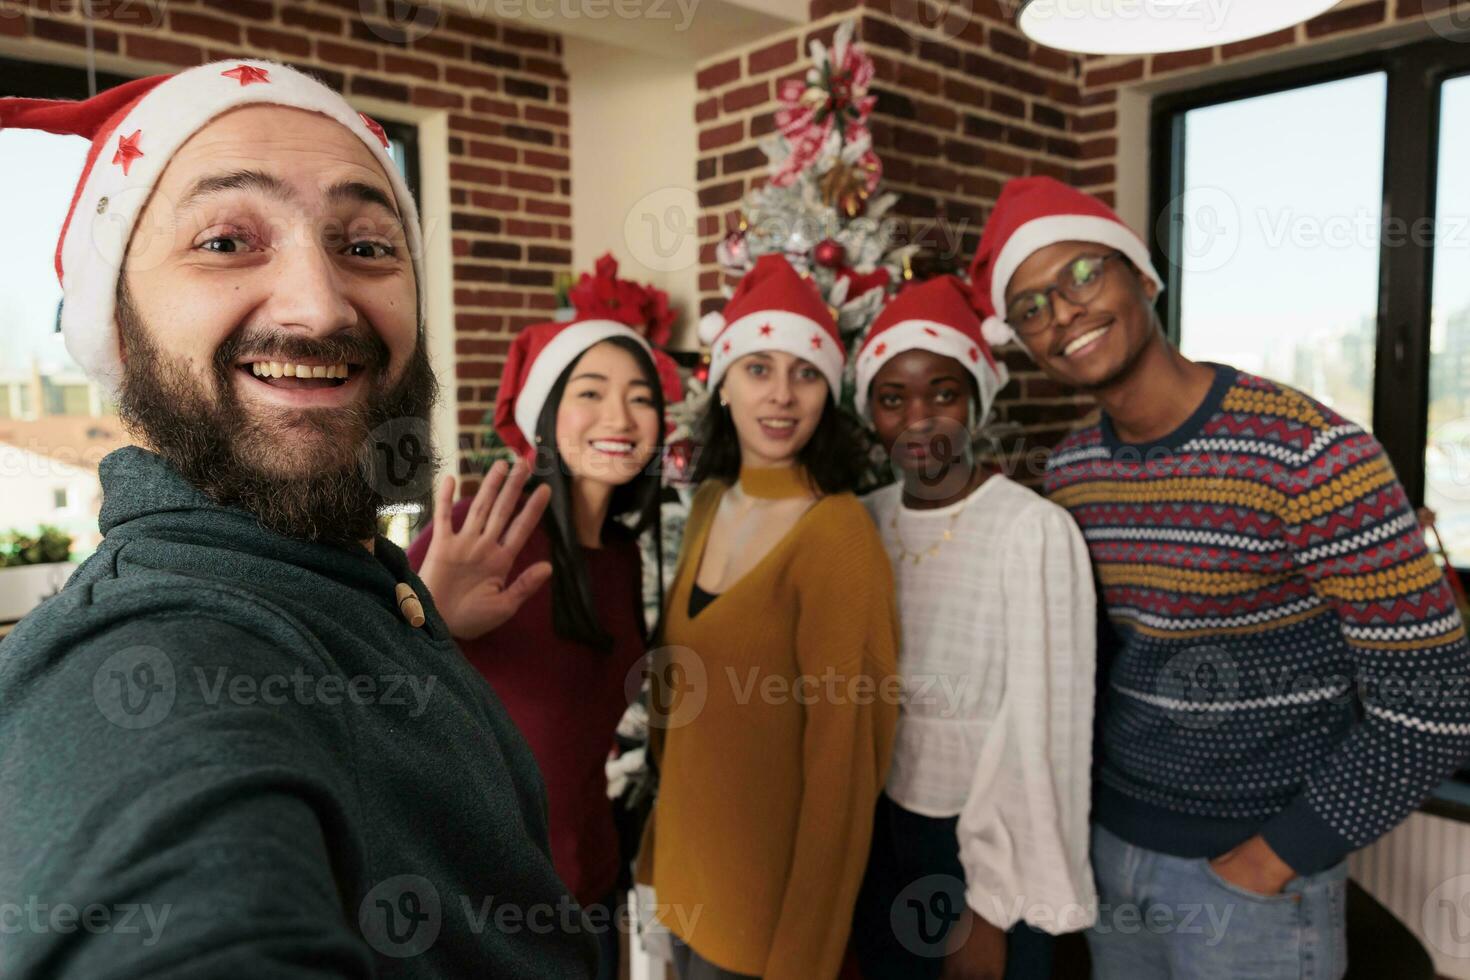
774, 689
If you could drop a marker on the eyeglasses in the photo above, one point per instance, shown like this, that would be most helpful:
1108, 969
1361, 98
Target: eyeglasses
1031, 312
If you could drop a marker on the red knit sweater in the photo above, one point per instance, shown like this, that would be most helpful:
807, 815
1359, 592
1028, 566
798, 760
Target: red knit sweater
566, 698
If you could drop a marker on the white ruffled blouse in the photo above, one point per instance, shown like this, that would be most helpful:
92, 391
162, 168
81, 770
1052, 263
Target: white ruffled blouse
998, 670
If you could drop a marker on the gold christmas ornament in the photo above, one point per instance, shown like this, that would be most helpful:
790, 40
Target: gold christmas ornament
845, 187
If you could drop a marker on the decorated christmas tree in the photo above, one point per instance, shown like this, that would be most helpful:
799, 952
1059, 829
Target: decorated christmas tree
820, 205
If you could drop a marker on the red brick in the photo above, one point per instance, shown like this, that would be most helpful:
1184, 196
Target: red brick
540, 183
146, 48
495, 107
957, 90
1099, 122
12, 24
185, 22
437, 98
884, 34
475, 175
721, 193
529, 229
311, 20
469, 124
771, 57
461, 24
1106, 146
547, 161
472, 78
549, 117
544, 66
713, 139
269, 40
495, 201
1128, 71
745, 97
378, 88
706, 109
66, 33
1010, 45
1255, 45
720, 73
480, 150
526, 39
400, 64
1053, 60
1347, 19
343, 54
1176, 60
1095, 176
444, 47
554, 209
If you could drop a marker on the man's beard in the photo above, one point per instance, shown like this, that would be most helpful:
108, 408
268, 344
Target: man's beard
224, 449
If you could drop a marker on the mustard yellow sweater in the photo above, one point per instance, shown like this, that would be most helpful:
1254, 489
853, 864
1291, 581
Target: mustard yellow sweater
773, 716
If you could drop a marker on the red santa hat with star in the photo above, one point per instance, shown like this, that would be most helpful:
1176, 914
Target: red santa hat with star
1031, 214
773, 308
537, 358
135, 130
937, 315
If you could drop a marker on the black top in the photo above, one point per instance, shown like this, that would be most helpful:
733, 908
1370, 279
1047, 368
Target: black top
698, 599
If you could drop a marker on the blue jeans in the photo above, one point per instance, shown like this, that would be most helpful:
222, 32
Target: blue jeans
1161, 916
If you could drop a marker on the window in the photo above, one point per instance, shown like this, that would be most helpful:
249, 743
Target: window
59, 498
1312, 229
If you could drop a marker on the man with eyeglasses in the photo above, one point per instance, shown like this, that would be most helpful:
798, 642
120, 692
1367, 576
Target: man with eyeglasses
1281, 682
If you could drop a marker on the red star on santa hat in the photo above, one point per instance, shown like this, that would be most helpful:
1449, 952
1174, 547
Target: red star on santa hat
766, 330
377, 130
247, 74
816, 342
726, 347
878, 351
931, 331
974, 353
127, 151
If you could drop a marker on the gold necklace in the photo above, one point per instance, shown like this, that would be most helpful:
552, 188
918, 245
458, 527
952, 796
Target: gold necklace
932, 550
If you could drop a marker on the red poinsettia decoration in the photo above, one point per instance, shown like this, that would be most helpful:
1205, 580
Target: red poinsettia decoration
643, 308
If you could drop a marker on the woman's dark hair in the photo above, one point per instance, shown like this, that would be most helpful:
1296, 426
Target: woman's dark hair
833, 457
573, 614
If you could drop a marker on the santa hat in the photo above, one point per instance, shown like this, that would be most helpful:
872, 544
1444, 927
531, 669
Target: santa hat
935, 315
538, 356
135, 129
1032, 213
773, 308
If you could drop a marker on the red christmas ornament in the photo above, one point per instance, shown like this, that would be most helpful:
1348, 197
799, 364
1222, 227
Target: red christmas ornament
702, 372
830, 254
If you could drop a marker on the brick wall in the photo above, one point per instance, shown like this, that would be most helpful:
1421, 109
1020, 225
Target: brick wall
965, 103
504, 89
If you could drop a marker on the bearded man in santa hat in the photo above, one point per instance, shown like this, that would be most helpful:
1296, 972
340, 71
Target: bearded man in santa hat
241, 742
1270, 603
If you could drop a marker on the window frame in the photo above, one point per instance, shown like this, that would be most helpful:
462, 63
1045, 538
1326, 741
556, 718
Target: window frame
1414, 74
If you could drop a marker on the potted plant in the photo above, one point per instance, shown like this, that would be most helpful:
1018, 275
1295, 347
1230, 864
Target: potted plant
33, 567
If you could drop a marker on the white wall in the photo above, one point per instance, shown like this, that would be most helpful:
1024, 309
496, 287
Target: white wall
633, 158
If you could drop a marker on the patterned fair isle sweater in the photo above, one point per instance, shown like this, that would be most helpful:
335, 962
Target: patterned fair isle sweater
1287, 658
